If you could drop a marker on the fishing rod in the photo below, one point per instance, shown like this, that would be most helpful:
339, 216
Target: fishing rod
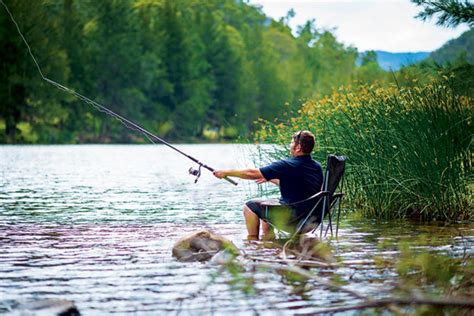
126, 122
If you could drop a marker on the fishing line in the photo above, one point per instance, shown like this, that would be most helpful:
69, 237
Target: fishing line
127, 123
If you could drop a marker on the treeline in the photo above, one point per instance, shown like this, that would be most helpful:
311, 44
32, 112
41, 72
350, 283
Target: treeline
184, 69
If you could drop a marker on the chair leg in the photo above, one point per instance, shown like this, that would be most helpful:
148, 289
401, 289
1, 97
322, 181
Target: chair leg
322, 217
329, 224
328, 227
338, 215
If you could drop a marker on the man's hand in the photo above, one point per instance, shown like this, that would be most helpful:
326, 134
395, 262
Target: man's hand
219, 174
261, 180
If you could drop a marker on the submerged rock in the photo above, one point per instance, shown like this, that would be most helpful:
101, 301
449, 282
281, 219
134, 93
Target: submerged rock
202, 246
307, 248
223, 257
48, 307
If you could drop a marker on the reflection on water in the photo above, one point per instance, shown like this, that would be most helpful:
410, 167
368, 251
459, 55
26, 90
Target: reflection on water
95, 224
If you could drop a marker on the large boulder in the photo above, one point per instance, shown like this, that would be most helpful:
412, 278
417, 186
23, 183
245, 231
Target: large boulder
202, 246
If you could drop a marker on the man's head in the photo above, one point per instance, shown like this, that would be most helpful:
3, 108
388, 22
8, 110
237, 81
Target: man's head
302, 143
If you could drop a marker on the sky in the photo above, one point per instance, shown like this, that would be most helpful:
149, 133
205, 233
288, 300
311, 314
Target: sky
387, 25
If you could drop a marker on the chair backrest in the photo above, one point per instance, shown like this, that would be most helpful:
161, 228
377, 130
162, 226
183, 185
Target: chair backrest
335, 168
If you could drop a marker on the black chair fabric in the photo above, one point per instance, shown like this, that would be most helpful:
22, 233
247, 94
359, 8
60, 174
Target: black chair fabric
335, 169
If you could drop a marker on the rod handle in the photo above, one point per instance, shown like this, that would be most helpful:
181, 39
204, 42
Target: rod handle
230, 180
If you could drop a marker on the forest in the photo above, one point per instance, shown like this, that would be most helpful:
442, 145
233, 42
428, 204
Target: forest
187, 70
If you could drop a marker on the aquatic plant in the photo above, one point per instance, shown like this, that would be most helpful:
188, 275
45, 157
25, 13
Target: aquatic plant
427, 278
409, 148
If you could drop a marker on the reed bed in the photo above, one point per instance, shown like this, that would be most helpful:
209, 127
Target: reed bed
409, 149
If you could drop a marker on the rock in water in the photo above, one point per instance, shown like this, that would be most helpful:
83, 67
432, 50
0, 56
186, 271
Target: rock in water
57, 307
308, 249
223, 257
201, 246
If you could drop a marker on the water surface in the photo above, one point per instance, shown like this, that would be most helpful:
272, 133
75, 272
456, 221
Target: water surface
95, 224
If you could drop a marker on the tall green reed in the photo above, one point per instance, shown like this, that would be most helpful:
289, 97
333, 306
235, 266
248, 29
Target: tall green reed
409, 149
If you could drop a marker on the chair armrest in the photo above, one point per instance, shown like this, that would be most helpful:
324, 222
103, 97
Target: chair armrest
337, 195
276, 203
317, 195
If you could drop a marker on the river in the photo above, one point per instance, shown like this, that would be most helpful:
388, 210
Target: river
96, 223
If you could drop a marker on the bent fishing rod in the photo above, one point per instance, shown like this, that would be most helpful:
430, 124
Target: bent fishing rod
127, 123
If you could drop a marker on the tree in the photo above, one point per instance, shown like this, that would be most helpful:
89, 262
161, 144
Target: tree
332, 63
113, 63
369, 70
451, 12
24, 99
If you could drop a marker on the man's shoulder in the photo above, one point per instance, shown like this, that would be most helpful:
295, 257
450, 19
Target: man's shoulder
311, 164
294, 162
279, 163
276, 170
317, 163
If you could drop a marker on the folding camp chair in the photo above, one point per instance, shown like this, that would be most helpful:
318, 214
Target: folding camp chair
322, 202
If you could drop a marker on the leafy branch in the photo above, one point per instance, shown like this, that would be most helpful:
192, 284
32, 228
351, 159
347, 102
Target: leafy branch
451, 12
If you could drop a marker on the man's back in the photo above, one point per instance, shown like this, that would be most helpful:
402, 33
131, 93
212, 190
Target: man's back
300, 177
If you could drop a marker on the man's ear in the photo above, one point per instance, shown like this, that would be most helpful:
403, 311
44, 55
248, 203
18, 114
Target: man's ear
299, 148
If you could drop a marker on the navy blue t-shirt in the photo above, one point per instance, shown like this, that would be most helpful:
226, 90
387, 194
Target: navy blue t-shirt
300, 177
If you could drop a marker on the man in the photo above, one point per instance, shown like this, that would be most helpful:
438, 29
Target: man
299, 177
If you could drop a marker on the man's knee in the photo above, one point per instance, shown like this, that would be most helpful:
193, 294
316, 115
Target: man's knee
247, 210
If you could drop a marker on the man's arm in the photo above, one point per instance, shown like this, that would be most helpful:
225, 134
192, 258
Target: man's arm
249, 174
263, 180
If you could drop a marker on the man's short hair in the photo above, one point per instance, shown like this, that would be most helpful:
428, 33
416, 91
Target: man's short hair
305, 139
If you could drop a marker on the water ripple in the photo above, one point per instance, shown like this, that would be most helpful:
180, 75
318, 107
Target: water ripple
95, 224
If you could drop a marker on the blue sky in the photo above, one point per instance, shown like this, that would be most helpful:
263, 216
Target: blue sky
367, 24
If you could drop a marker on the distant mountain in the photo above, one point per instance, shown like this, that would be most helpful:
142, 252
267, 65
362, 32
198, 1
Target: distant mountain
453, 49
463, 46
394, 61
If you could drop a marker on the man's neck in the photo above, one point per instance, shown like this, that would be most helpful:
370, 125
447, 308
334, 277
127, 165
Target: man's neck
300, 155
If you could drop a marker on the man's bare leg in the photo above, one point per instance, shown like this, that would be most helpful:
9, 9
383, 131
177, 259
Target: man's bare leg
267, 231
253, 223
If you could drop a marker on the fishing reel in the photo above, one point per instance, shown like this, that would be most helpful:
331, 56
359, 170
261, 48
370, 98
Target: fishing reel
195, 172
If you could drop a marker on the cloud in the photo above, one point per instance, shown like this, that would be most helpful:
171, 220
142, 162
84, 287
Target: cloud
367, 24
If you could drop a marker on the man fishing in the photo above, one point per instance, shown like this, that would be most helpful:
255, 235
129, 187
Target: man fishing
299, 177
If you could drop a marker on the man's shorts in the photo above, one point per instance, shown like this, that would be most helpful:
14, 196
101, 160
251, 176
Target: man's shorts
279, 215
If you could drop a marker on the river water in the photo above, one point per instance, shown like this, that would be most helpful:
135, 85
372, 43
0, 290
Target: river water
96, 223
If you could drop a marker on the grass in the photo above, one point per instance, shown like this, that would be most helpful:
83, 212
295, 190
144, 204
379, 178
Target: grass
409, 148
